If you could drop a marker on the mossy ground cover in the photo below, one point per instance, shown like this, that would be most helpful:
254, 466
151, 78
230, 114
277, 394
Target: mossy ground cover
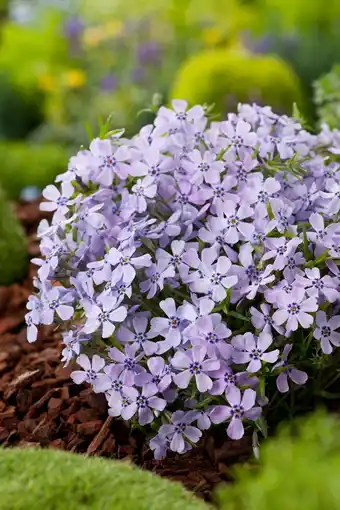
53, 480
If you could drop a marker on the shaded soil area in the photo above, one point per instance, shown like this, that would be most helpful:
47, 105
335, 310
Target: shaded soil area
41, 406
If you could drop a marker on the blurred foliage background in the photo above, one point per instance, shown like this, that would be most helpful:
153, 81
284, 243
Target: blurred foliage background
66, 63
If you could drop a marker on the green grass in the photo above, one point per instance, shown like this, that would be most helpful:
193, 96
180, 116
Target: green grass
52, 480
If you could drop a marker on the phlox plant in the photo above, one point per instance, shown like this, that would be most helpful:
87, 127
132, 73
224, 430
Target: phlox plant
194, 268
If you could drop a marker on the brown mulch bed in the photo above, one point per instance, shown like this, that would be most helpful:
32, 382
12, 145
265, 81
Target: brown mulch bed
41, 406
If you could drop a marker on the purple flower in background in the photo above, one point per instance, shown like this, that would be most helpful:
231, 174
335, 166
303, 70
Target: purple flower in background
294, 308
73, 27
325, 332
194, 364
287, 371
240, 407
179, 430
149, 52
109, 83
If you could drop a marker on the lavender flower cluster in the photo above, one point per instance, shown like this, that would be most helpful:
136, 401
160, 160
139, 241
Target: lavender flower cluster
187, 265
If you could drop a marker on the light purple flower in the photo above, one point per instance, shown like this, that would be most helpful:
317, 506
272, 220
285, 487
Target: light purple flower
315, 285
240, 407
159, 377
179, 430
91, 370
56, 302
157, 273
287, 371
294, 308
143, 404
127, 361
194, 364
125, 264
104, 316
325, 332
203, 168
171, 327
263, 319
139, 336
210, 332
253, 351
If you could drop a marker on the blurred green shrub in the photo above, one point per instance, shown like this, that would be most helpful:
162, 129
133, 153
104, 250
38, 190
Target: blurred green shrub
299, 470
54, 480
24, 164
13, 252
227, 78
20, 110
305, 33
327, 98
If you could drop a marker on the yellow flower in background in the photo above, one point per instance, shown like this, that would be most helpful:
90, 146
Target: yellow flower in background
93, 36
113, 28
213, 36
46, 82
75, 79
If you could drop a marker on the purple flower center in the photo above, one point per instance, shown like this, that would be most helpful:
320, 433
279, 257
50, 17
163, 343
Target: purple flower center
61, 201
91, 375
174, 322
154, 171
181, 116
53, 305
237, 411
293, 308
129, 363
255, 354
117, 385
142, 402
109, 161
326, 331
180, 428
212, 338
216, 278
155, 277
195, 368
203, 166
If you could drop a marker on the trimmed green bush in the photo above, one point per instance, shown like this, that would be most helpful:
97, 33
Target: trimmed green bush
227, 78
300, 470
29, 165
13, 253
54, 480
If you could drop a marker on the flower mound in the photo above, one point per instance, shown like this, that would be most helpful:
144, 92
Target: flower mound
192, 265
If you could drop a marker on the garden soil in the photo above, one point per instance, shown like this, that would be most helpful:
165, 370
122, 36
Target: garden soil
41, 406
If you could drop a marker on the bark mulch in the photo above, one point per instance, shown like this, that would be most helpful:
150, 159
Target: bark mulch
41, 406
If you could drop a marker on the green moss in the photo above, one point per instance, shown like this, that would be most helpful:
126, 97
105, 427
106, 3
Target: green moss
52, 480
29, 165
226, 78
13, 253
299, 470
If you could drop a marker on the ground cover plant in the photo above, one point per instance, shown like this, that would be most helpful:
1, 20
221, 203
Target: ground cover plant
66, 481
194, 269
